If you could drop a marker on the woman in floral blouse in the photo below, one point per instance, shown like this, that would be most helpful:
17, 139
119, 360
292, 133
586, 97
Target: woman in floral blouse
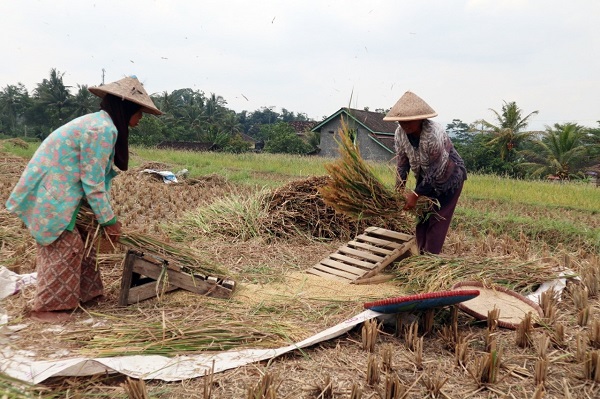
72, 166
424, 147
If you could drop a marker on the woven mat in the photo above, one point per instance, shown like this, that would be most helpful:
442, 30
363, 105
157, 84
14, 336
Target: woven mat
513, 306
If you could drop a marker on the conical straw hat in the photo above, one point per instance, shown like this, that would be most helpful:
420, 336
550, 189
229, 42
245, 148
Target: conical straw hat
131, 89
410, 107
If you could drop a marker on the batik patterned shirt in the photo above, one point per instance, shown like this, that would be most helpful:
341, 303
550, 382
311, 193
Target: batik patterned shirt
73, 163
437, 166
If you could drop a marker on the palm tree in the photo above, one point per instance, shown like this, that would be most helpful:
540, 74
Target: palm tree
591, 140
192, 119
560, 151
54, 95
213, 109
166, 102
509, 133
230, 123
84, 102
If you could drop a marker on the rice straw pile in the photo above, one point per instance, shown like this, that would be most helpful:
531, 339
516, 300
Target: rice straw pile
434, 273
173, 336
355, 191
186, 257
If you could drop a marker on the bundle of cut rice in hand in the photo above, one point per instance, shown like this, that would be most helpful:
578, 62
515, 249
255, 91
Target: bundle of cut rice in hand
186, 257
355, 191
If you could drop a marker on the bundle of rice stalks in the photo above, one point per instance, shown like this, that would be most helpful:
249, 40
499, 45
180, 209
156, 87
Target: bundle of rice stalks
186, 257
236, 217
435, 273
299, 208
355, 190
17, 142
136, 389
171, 337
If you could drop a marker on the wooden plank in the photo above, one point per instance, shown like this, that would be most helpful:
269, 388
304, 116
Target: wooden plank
389, 233
352, 261
361, 254
188, 282
391, 258
337, 272
370, 247
378, 241
147, 291
326, 275
127, 277
356, 271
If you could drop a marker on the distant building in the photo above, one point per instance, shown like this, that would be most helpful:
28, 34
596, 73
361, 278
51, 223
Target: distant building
374, 137
594, 174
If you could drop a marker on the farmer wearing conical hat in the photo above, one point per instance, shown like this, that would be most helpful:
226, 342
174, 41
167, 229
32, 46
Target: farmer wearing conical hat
73, 165
424, 147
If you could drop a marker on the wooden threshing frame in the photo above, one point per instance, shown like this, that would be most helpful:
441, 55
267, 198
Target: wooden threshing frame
361, 259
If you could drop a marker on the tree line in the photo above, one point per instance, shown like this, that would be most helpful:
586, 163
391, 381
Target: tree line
189, 115
504, 146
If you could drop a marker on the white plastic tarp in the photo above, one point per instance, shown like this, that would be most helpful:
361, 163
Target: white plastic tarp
163, 368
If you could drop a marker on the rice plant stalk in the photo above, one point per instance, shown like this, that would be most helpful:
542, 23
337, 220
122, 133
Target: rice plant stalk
370, 332
394, 388
594, 334
434, 382
524, 330
591, 367
373, 371
186, 257
386, 358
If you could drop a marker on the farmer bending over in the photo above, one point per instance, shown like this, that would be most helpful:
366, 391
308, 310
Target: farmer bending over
73, 165
424, 147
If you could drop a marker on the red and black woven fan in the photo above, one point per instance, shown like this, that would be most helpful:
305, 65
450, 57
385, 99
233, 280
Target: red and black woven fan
421, 301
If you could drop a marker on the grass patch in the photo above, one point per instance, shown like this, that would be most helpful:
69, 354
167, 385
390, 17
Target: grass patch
573, 195
550, 231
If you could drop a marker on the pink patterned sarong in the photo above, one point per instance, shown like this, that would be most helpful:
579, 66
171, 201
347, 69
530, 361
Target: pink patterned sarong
66, 276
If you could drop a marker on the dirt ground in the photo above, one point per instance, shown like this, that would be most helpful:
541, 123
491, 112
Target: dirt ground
273, 285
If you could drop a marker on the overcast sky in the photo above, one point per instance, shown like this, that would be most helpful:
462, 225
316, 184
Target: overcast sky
316, 56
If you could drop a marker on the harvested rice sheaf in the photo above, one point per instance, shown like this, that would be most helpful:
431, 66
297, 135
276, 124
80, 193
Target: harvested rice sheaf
426, 273
355, 190
299, 208
189, 259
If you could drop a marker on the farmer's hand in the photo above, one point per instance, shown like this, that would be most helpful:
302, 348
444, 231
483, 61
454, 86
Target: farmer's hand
410, 200
113, 232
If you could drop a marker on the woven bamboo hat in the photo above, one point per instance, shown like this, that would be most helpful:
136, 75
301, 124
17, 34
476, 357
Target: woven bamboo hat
410, 107
130, 89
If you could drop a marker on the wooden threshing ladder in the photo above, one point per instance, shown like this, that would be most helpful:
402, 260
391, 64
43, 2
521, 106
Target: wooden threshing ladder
146, 275
364, 257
